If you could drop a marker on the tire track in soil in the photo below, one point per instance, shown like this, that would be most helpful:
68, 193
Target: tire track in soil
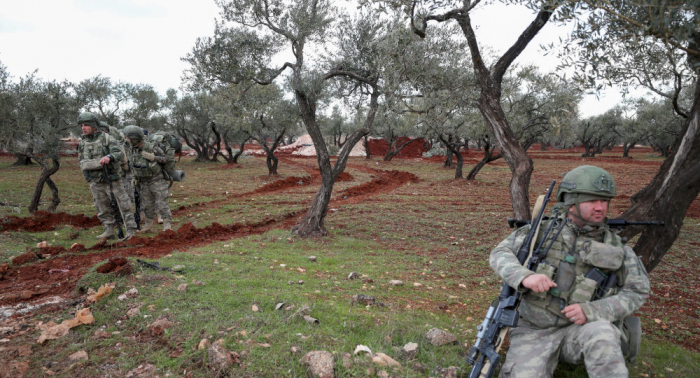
58, 269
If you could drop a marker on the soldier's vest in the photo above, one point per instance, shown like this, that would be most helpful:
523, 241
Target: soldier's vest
95, 148
568, 261
141, 167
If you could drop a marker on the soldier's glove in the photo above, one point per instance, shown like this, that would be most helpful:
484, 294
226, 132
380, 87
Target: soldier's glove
148, 156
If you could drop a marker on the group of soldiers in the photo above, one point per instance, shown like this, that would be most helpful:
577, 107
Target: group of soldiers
115, 162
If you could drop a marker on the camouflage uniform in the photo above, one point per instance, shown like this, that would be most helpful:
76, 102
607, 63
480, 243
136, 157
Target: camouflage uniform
150, 182
90, 149
127, 177
544, 335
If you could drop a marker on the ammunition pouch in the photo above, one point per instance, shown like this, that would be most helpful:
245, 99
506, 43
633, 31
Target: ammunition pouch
90, 165
631, 338
602, 255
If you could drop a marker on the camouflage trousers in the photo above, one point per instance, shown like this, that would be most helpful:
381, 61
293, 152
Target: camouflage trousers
154, 197
128, 187
535, 353
103, 202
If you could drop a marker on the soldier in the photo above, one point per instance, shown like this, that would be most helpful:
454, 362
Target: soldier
96, 151
146, 159
563, 316
119, 136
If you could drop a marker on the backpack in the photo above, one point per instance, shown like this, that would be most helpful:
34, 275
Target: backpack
163, 137
167, 142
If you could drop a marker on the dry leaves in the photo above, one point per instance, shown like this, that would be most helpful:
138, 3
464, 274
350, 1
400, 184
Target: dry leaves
104, 290
52, 330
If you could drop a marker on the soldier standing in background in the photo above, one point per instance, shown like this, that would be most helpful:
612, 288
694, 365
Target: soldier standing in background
127, 177
564, 315
95, 151
146, 159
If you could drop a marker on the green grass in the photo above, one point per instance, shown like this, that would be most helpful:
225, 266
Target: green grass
434, 235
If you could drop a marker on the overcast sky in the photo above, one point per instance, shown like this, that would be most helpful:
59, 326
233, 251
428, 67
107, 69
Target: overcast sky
141, 42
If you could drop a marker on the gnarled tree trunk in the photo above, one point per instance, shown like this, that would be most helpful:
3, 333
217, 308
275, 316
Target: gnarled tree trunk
312, 223
669, 195
45, 178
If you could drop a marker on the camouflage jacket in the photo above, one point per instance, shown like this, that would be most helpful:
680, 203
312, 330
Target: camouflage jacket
96, 146
573, 250
143, 168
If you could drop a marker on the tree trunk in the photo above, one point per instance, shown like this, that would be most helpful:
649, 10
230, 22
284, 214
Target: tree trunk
55, 200
393, 150
448, 151
453, 148
626, 147
238, 154
367, 155
489, 104
22, 160
312, 223
272, 162
669, 195
46, 172
488, 157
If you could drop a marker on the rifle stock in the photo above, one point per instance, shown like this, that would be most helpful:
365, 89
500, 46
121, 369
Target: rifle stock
503, 312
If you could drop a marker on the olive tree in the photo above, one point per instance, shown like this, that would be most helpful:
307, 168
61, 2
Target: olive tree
670, 26
489, 78
252, 32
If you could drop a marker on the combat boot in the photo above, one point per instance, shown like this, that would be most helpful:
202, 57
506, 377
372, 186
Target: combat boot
109, 233
129, 235
146, 226
167, 225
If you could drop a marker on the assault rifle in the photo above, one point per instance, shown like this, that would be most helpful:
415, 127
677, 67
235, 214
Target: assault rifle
137, 205
617, 224
503, 313
116, 211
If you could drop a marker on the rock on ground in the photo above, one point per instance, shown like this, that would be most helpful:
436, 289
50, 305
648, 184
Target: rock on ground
320, 363
158, 327
439, 337
382, 359
409, 351
143, 371
78, 356
219, 358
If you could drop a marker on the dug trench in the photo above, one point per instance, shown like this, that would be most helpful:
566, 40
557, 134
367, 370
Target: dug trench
43, 274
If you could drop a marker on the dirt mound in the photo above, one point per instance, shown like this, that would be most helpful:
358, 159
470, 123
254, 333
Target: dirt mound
379, 147
344, 177
45, 221
287, 183
117, 265
387, 180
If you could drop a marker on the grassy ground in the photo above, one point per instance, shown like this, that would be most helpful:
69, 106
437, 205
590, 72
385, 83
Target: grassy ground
434, 235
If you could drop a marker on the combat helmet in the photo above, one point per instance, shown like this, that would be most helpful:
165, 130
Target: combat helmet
134, 133
88, 118
586, 183
103, 126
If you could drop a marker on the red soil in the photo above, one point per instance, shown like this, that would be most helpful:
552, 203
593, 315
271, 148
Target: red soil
58, 276
379, 147
45, 221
